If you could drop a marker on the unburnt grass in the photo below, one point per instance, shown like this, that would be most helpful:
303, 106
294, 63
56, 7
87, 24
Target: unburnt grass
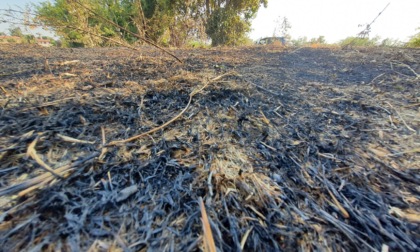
290, 149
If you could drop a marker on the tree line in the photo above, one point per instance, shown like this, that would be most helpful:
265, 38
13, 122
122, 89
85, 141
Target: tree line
88, 23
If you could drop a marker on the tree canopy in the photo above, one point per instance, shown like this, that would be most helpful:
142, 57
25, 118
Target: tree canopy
168, 22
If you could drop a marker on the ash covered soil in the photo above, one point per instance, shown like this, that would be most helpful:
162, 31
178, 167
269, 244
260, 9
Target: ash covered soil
294, 149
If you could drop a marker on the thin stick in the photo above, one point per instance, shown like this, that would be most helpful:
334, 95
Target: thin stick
74, 140
4, 90
210, 246
243, 241
343, 211
402, 119
104, 149
31, 152
192, 94
407, 66
376, 78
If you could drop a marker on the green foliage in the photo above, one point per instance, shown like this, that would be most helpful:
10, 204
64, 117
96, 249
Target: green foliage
169, 22
15, 31
357, 41
225, 28
228, 22
197, 44
320, 40
66, 17
414, 41
301, 41
390, 43
29, 39
77, 26
304, 41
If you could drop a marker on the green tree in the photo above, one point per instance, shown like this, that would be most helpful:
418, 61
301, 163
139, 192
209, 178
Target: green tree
15, 31
81, 22
69, 21
29, 39
228, 22
171, 22
321, 40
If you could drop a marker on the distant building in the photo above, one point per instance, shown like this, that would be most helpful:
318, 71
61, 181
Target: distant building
43, 42
271, 40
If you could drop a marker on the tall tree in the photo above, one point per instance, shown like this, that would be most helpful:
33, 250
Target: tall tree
171, 22
228, 21
70, 21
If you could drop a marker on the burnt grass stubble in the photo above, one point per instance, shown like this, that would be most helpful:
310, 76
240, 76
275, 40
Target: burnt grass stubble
294, 150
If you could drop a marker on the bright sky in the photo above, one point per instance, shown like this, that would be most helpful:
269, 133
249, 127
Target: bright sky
334, 19
338, 19
18, 5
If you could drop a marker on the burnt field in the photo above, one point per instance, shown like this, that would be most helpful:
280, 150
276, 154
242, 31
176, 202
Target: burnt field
292, 149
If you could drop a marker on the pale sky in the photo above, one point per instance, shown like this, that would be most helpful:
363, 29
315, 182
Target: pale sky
18, 5
338, 19
334, 19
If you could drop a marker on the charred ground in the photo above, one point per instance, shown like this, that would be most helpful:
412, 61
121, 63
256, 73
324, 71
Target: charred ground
291, 149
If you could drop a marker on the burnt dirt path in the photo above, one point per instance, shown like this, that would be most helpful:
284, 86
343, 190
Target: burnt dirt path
293, 149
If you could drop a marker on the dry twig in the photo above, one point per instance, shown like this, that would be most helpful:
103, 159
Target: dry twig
402, 119
192, 94
31, 152
209, 245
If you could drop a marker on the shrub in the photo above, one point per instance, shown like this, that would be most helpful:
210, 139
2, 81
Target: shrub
356, 41
414, 41
197, 44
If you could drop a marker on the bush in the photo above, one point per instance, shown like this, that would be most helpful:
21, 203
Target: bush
225, 27
197, 44
390, 43
356, 41
414, 41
